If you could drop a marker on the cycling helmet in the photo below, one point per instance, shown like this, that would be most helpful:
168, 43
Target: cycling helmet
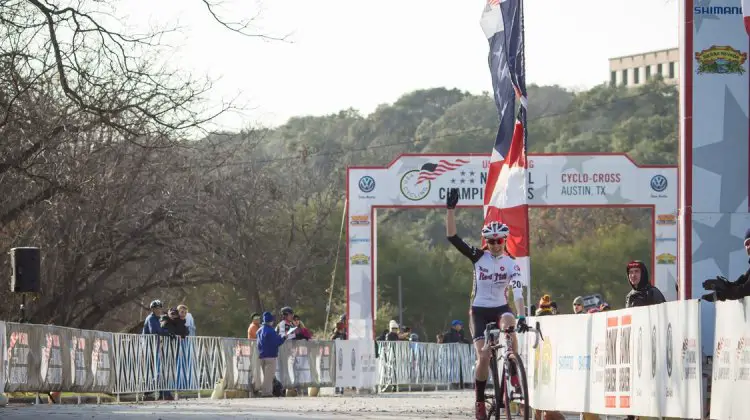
286, 310
495, 230
156, 304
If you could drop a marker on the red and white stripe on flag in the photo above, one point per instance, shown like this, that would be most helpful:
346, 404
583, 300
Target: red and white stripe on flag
746, 15
505, 196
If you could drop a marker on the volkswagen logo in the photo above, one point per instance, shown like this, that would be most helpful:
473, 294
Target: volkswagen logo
653, 352
367, 184
640, 351
669, 349
658, 183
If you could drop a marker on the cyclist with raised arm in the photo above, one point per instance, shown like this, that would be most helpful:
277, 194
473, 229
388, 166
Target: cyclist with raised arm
494, 271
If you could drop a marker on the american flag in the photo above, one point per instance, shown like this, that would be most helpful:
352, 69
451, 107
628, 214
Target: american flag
505, 197
430, 171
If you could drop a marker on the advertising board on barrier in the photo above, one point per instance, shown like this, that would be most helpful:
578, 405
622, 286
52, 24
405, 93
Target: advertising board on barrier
731, 361
638, 361
240, 356
47, 358
356, 365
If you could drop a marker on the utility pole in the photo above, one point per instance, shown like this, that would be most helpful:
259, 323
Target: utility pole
400, 305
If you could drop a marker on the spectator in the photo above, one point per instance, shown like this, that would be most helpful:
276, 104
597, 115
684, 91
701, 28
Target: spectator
643, 293
726, 289
252, 329
545, 306
287, 315
456, 333
439, 338
604, 307
338, 332
414, 337
152, 325
301, 333
188, 317
554, 308
269, 342
405, 333
342, 320
173, 324
382, 335
578, 305
393, 335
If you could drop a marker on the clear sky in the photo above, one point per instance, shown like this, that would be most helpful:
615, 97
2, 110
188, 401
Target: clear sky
355, 53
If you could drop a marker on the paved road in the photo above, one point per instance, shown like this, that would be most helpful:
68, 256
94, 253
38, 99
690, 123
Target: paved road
402, 406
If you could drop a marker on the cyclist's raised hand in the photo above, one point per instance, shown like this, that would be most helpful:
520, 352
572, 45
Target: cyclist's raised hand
522, 327
451, 198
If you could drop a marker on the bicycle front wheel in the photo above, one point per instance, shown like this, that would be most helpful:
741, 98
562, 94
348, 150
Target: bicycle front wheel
495, 409
516, 390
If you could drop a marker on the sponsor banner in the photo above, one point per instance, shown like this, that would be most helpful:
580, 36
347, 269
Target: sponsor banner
637, 361
306, 363
683, 376
559, 363
422, 180
553, 180
731, 360
36, 358
91, 360
241, 356
356, 365
714, 138
46, 358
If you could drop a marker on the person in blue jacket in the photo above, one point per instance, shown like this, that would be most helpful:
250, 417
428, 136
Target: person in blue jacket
152, 324
269, 342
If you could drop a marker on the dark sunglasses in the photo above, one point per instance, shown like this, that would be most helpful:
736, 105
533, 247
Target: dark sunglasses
495, 241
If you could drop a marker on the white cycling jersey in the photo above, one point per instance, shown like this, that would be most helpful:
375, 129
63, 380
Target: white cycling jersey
492, 275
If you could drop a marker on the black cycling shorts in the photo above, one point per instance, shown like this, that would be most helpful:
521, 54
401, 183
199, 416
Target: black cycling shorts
480, 317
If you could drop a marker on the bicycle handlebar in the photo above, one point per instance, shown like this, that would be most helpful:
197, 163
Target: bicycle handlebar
537, 334
537, 329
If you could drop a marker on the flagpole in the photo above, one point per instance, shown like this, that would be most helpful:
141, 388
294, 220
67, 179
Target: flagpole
525, 151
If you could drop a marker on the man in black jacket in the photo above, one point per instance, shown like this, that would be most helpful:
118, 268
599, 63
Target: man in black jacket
726, 289
456, 333
643, 293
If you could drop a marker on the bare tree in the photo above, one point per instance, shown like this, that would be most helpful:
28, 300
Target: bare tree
270, 227
95, 169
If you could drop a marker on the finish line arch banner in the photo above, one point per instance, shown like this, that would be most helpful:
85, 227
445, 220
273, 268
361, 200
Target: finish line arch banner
554, 180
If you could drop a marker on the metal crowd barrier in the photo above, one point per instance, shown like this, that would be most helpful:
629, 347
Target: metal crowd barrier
42, 358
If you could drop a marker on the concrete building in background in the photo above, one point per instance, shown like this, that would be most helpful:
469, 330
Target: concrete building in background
637, 69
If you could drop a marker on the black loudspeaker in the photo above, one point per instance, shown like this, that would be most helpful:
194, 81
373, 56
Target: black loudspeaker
25, 263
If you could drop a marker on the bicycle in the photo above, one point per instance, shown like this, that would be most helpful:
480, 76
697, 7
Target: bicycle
505, 392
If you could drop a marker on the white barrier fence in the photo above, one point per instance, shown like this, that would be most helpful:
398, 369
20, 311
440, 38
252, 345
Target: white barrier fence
731, 361
638, 361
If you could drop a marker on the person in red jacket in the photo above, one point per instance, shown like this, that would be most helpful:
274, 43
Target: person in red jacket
302, 333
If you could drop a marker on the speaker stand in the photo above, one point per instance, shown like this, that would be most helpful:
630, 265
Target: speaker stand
23, 309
